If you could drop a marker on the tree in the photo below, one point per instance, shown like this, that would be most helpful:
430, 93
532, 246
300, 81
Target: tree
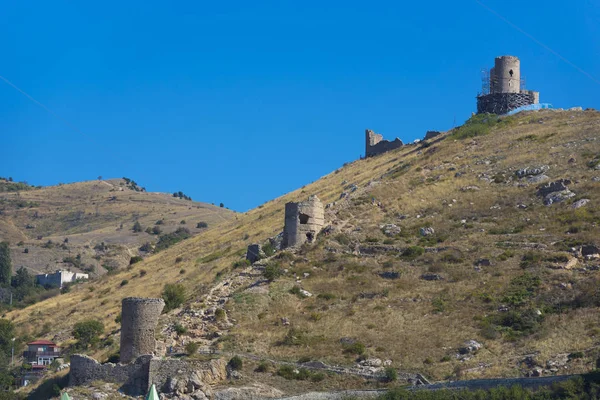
173, 295
221, 205
88, 332
137, 227
7, 334
5, 263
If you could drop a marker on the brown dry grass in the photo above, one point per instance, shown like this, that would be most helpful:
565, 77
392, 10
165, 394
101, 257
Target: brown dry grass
404, 322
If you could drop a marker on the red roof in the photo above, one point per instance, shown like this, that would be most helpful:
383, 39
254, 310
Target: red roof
42, 342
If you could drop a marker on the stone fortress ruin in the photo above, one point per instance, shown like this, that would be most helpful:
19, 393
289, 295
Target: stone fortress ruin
375, 144
503, 88
303, 221
139, 368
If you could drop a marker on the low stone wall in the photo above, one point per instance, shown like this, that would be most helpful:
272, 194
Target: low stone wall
135, 378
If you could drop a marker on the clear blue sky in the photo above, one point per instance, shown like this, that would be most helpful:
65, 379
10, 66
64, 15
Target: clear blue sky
240, 102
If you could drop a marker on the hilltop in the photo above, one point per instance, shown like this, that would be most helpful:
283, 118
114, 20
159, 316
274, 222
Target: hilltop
89, 224
475, 235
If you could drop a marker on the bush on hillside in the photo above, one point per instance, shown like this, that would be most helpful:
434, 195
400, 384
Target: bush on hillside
173, 295
236, 363
88, 332
169, 239
137, 227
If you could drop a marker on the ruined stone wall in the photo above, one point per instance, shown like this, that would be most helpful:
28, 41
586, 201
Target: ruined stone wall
137, 377
139, 317
133, 377
502, 103
303, 221
375, 144
208, 372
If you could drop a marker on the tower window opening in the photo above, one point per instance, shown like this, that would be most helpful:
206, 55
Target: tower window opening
310, 237
511, 72
303, 218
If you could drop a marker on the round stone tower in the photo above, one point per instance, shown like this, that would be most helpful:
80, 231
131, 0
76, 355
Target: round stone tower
303, 221
139, 317
506, 75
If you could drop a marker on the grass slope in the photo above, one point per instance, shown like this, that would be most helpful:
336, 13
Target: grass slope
464, 186
86, 214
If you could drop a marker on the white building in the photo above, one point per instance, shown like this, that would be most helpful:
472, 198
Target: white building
59, 278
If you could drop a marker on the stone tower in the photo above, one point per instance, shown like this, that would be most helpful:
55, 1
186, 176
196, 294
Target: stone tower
505, 77
504, 91
303, 221
139, 317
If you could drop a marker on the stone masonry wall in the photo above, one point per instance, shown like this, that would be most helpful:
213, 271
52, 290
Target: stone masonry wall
303, 221
139, 317
137, 377
133, 377
375, 144
502, 103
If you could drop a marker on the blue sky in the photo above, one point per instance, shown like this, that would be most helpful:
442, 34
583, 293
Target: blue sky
240, 102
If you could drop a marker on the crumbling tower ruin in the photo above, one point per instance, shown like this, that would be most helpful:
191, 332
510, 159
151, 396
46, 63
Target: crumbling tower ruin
139, 317
303, 221
503, 90
375, 144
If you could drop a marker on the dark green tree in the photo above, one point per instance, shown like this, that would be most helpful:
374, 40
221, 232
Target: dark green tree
137, 227
5, 264
88, 332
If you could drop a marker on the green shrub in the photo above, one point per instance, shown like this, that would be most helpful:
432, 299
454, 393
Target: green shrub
530, 259
342, 239
241, 264
262, 367
124, 282
220, 314
326, 296
201, 224
191, 348
173, 295
235, 363
88, 332
297, 290
137, 227
169, 239
180, 329
390, 374
413, 252
272, 272
135, 259
268, 249
286, 371
477, 125
355, 348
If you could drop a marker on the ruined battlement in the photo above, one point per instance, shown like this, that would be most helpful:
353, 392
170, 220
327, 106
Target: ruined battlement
375, 144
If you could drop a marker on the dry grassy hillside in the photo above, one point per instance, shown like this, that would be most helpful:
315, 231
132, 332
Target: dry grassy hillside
46, 225
498, 267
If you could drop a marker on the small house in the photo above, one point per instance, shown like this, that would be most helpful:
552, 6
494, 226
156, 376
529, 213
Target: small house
41, 353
